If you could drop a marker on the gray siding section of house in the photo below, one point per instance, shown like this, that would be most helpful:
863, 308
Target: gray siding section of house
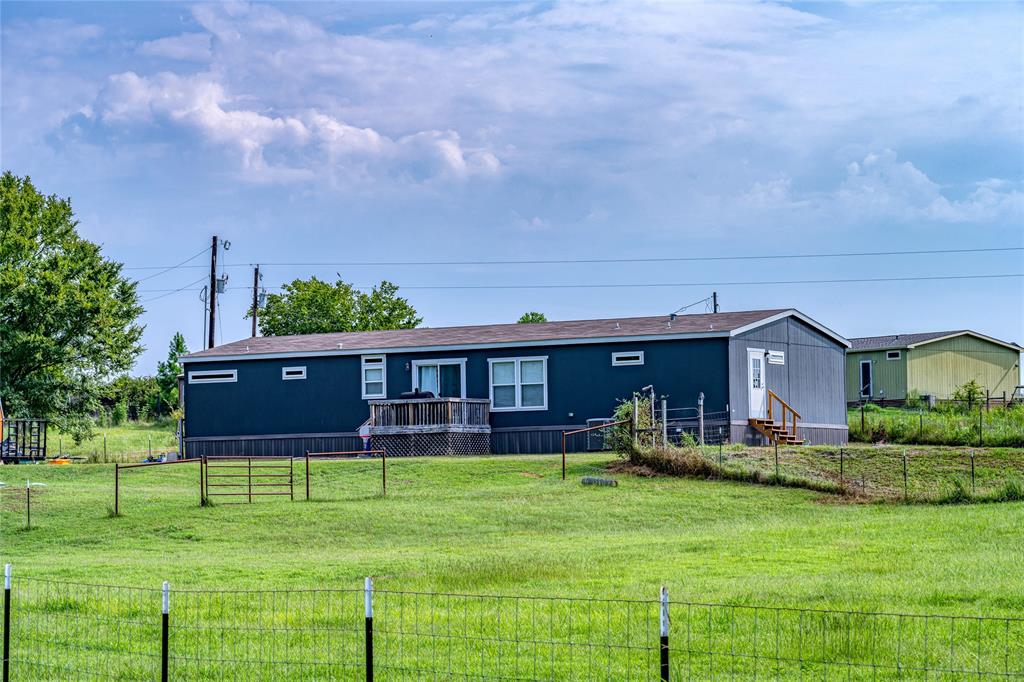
812, 380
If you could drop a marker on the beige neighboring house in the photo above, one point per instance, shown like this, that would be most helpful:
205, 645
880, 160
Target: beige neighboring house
930, 363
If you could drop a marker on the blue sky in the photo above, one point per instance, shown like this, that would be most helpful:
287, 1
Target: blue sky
325, 133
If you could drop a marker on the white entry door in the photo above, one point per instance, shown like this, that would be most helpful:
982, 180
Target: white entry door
755, 383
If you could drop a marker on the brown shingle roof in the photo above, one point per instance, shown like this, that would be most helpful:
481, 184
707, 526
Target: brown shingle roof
490, 334
893, 341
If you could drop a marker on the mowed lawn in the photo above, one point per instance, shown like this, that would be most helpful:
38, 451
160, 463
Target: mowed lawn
511, 526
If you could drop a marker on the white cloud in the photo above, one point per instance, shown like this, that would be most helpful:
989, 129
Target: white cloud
306, 142
193, 47
880, 184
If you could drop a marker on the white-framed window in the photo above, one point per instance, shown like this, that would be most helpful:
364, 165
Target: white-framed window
213, 376
445, 378
518, 383
290, 373
374, 376
893, 355
633, 357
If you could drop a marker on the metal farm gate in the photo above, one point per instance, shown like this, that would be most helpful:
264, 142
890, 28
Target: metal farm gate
247, 477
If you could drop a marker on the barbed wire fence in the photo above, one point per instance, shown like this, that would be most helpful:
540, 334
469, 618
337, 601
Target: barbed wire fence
76, 631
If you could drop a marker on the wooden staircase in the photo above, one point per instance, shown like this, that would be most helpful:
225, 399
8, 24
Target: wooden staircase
784, 433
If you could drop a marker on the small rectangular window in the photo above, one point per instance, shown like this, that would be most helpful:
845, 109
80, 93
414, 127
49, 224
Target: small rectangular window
374, 377
892, 355
288, 373
628, 358
213, 376
776, 357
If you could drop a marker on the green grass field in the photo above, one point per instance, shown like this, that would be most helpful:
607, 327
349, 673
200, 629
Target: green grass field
509, 526
130, 442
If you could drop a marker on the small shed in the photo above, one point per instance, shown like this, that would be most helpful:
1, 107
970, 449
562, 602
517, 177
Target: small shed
934, 364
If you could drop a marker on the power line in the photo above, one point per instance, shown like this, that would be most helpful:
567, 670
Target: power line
635, 285
172, 291
591, 261
173, 267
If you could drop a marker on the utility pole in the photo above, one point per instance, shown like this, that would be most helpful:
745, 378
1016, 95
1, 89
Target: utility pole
213, 293
255, 296
714, 301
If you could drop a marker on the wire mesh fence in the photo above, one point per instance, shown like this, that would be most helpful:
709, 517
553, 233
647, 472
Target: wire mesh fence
950, 423
69, 631
895, 473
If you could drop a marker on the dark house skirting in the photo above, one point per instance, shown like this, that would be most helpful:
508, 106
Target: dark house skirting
520, 441
819, 434
280, 446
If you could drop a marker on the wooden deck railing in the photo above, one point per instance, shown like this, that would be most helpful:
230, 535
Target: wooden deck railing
430, 413
786, 410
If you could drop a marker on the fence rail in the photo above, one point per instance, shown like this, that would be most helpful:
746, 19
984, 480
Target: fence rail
453, 413
67, 630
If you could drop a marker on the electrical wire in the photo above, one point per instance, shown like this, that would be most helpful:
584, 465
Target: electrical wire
672, 284
592, 261
168, 292
173, 267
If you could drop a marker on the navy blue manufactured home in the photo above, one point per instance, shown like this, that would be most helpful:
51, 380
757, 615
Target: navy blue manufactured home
512, 388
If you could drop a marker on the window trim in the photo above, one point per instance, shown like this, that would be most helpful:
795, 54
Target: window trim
285, 370
618, 361
889, 355
518, 360
197, 377
383, 365
416, 364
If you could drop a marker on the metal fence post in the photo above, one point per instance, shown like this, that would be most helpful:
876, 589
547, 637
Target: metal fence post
563, 455
7, 622
636, 417
368, 595
664, 634
664, 423
972, 472
700, 417
981, 428
776, 461
307, 475
841, 471
165, 617
905, 488
117, 489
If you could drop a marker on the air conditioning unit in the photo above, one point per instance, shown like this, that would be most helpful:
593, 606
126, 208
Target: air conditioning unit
596, 440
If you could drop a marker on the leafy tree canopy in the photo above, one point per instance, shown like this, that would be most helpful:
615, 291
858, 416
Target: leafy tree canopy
167, 374
67, 315
313, 306
532, 318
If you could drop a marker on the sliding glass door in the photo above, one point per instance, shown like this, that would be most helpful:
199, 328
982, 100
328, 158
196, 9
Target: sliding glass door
443, 378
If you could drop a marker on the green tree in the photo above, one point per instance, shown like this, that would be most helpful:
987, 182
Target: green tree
532, 318
140, 394
67, 315
970, 393
314, 306
167, 375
